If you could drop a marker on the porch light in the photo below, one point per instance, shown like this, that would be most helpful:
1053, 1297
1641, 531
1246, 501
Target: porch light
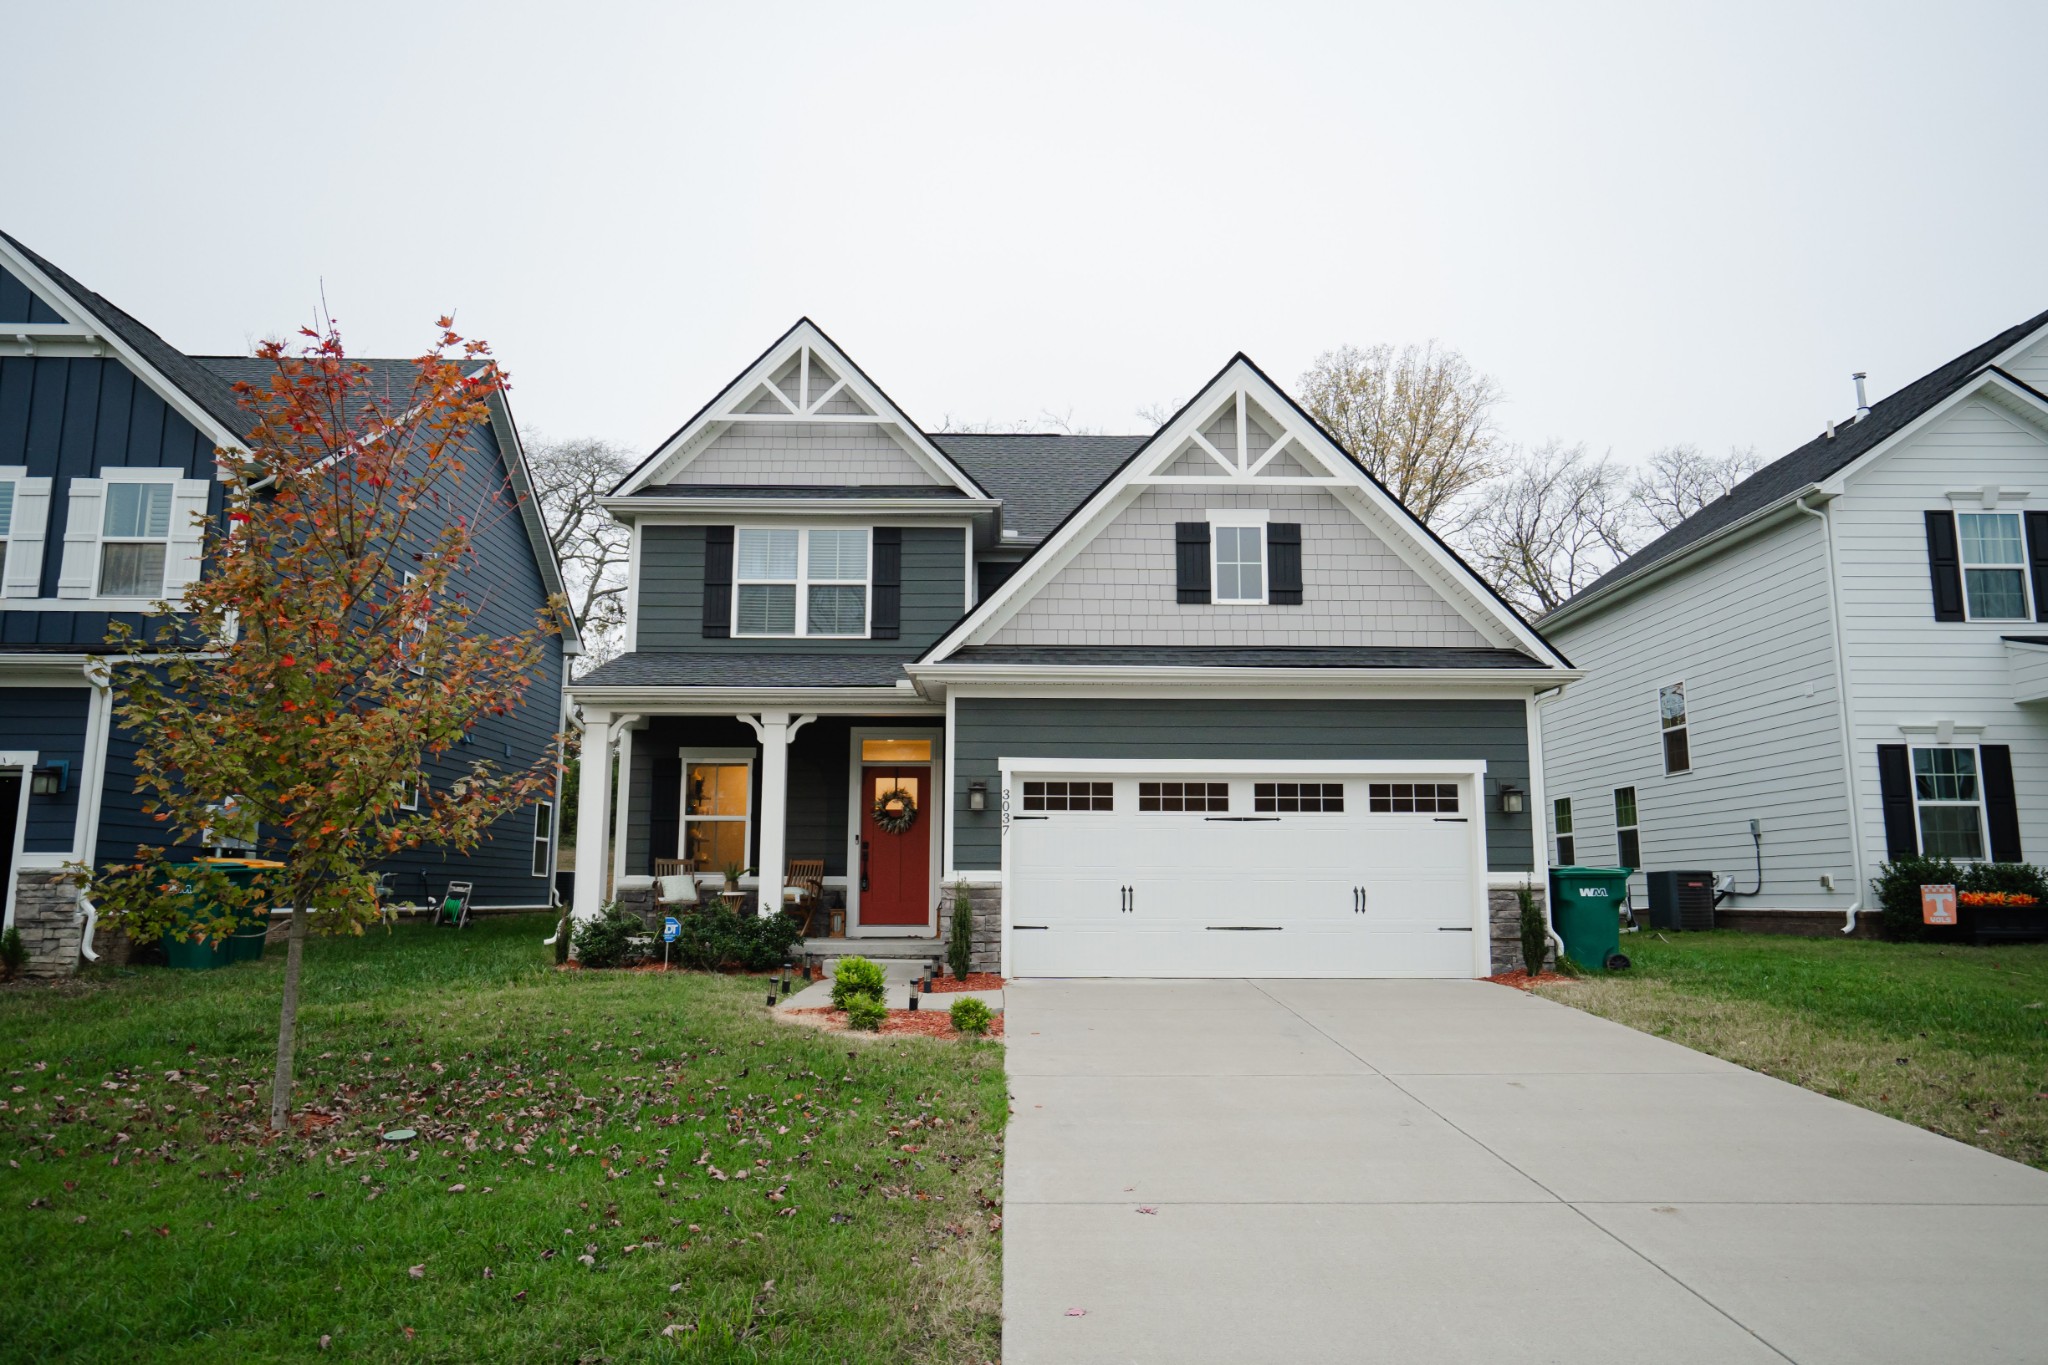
48, 779
1510, 800
977, 796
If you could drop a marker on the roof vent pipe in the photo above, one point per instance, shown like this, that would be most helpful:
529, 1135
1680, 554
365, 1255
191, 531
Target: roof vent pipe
1862, 403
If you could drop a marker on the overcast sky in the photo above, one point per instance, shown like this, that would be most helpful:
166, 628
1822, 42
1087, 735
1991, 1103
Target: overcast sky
1650, 223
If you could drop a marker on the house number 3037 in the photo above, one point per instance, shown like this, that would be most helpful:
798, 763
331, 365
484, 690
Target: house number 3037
1006, 810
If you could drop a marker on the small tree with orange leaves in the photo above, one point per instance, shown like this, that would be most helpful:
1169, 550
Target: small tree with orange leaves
330, 647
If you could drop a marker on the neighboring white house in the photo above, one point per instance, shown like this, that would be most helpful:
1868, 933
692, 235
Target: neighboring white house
1844, 649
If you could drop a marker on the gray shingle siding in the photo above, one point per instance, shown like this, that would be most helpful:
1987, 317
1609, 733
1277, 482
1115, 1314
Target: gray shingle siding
987, 729
803, 453
671, 614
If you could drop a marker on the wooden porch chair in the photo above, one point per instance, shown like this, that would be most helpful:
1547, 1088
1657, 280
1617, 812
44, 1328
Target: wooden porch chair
806, 877
671, 867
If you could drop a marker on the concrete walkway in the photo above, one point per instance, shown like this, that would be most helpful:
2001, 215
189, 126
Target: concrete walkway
1423, 1171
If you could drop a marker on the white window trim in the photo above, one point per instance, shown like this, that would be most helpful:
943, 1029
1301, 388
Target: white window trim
1561, 816
409, 793
803, 583
107, 486
544, 835
1963, 566
1239, 518
748, 758
1635, 799
1684, 726
78, 576
1983, 815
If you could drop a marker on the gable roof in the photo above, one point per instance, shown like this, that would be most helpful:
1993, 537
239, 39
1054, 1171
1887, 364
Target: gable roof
1818, 460
803, 337
1252, 383
207, 391
1039, 477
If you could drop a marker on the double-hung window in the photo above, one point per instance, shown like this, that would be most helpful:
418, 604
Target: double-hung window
1626, 836
1240, 568
793, 582
1948, 800
1567, 850
1993, 552
717, 800
135, 537
1671, 720
543, 836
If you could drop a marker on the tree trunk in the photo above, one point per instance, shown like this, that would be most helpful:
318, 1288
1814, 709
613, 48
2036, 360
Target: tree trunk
288, 1020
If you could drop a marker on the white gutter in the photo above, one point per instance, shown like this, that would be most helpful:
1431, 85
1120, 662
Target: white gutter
92, 922
1539, 815
937, 507
1209, 676
1827, 530
1651, 572
683, 700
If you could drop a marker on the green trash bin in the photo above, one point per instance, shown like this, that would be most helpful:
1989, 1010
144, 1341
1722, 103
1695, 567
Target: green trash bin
1585, 905
245, 944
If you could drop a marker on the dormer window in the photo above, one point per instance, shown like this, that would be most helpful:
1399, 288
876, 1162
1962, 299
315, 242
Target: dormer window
800, 582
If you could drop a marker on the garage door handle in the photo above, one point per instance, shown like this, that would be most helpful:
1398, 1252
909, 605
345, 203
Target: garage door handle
1028, 926
1450, 819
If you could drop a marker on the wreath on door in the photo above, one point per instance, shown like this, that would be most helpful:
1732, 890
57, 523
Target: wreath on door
895, 811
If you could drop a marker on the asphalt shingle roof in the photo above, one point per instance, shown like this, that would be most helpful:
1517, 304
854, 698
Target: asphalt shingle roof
753, 668
1040, 478
202, 386
1819, 458
1233, 656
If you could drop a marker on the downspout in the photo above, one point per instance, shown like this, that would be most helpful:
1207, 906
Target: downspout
612, 732
92, 922
1827, 530
1539, 818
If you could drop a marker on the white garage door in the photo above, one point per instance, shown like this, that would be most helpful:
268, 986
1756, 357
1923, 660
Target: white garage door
1281, 874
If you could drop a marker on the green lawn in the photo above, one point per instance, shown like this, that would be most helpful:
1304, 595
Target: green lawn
1952, 1038
610, 1167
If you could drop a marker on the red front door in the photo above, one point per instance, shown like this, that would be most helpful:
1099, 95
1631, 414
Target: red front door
896, 868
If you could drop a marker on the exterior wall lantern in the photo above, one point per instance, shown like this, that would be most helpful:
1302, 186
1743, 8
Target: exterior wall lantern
1510, 800
977, 796
49, 779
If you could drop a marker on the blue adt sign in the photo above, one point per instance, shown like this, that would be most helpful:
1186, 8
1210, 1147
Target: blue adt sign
671, 929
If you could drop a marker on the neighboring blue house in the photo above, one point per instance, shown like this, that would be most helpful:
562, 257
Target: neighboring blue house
1207, 701
107, 441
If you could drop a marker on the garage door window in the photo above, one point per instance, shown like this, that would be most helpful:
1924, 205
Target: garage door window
1420, 798
1069, 796
1288, 797
1184, 796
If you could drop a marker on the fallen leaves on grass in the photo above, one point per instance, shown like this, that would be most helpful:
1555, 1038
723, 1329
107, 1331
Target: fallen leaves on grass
900, 1023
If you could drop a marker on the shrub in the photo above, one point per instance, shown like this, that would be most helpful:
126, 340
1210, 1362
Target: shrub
616, 938
1897, 892
866, 1012
1535, 930
13, 954
713, 938
856, 976
971, 1015
960, 948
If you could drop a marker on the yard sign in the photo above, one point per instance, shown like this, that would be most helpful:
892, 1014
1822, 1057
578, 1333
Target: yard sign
1937, 905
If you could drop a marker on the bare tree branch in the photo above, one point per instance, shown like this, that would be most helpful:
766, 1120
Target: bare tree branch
570, 478
1419, 418
1554, 521
1679, 480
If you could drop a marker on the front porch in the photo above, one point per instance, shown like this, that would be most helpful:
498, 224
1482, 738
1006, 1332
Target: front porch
851, 801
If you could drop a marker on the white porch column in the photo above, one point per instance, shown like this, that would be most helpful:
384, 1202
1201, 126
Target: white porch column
593, 814
623, 803
775, 730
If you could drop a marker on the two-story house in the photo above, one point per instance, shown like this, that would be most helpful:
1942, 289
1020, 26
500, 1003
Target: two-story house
1838, 663
1207, 701
108, 441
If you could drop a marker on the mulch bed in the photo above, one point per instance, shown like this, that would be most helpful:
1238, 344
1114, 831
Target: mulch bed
976, 981
1522, 981
922, 1023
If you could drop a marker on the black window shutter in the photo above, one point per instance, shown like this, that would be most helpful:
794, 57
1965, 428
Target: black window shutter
1943, 564
1283, 544
717, 582
2001, 808
1191, 559
1895, 789
2037, 556
886, 619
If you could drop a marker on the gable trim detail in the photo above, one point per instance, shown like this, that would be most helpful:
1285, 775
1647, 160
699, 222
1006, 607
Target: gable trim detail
755, 385
1242, 384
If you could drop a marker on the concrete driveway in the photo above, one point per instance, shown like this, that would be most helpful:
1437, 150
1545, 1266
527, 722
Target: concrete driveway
1420, 1171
